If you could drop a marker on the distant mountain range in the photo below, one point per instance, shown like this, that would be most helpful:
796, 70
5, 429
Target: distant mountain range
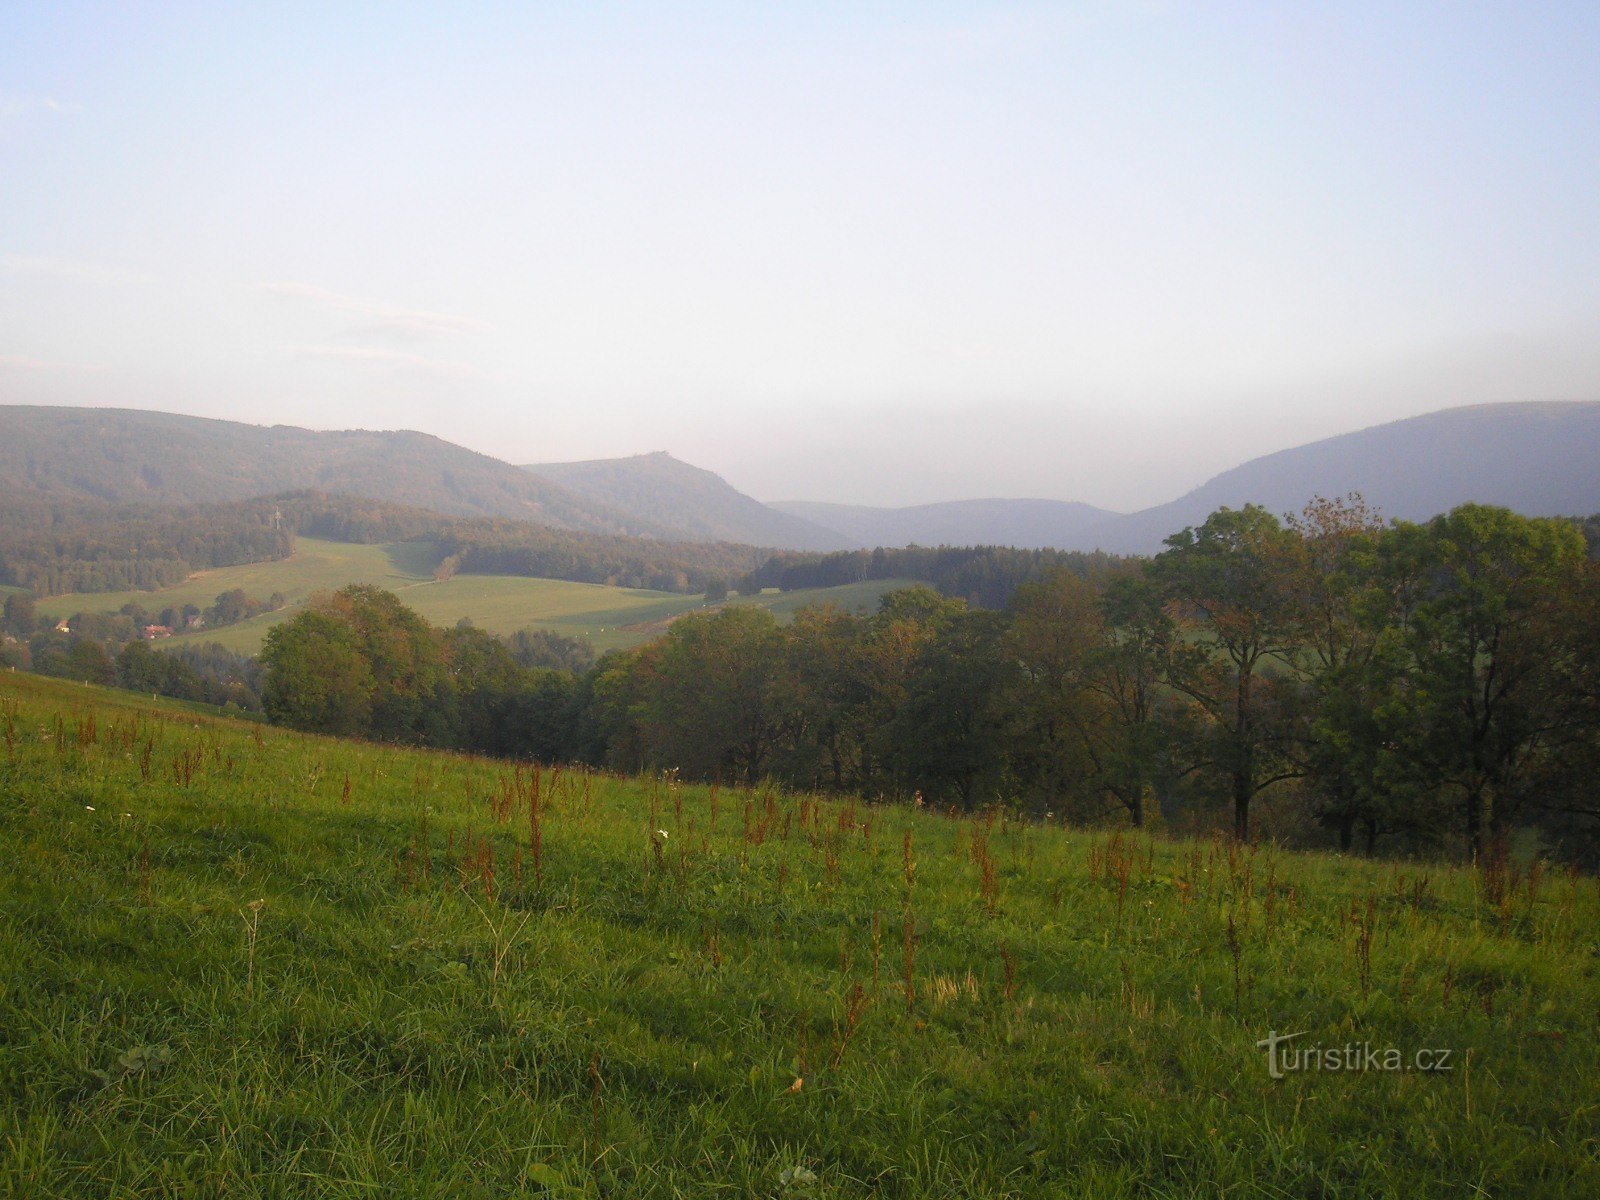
696, 503
1541, 459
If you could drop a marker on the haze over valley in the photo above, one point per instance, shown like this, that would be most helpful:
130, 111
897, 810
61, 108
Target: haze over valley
1537, 459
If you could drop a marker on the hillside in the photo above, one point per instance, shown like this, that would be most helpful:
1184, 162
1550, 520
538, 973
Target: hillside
1537, 459
134, 457
695, 503
1541, 460
607, 617
251, 963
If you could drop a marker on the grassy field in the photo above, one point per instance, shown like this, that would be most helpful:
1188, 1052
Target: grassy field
242, 962
609, 617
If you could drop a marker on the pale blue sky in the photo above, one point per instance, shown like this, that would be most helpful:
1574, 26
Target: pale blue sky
885, 253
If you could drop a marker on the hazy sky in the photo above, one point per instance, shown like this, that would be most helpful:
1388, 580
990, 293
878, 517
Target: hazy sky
882, 253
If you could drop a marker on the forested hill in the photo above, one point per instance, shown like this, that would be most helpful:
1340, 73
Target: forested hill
1540, 460
697, 503
55, 546
127, 456
1535, 459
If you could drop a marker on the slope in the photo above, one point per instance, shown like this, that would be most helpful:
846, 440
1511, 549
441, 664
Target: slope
608, 617
696, 503
130, 456
240, 961
1540, 459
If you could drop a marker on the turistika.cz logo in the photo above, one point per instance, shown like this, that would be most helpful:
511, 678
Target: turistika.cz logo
1285, 1059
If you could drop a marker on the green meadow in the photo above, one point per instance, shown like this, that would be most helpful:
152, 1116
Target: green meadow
237, 961
609, 617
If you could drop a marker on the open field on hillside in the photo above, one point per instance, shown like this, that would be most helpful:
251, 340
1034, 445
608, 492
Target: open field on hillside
609, 617
315, 565
245, 962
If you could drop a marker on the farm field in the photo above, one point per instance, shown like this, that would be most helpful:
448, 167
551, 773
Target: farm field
240, 961
609, 617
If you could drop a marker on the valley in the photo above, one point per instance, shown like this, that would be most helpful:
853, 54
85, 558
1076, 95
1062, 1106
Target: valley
607, 617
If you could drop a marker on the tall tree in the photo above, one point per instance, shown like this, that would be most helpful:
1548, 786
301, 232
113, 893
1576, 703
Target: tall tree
317, 678
953, 732
410, 697
832, 697
1224, 582
1127, 673
1057, 631
1481, 591
714, 707
1336, 598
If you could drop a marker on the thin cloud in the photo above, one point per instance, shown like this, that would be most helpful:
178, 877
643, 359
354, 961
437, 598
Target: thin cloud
381, 321
382, 359
78, 270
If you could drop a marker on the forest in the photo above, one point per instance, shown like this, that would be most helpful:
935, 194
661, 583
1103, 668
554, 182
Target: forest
53, 547
1330, 680
983, 576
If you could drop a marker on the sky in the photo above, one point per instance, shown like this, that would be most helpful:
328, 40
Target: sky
867, 252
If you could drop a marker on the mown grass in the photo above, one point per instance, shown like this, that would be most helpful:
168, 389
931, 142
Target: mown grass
608, 617
238, 961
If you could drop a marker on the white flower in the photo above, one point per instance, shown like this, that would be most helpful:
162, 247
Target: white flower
662, 834
88, 808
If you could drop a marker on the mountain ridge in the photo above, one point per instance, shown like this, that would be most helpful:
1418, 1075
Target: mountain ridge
140, 456
691, 499
1537, 457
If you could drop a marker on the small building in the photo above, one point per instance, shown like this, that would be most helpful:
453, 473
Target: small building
155, 632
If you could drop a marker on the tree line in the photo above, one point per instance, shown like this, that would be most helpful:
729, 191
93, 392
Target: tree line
54, 547
983, 576
1329, 679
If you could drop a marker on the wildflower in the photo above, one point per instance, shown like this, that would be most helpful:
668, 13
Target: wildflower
662, 834
88, 808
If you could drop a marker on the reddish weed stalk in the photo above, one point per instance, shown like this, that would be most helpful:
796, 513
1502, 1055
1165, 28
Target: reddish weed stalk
536, 833
1236, 952
1366, 925
855, 1006
909, 926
